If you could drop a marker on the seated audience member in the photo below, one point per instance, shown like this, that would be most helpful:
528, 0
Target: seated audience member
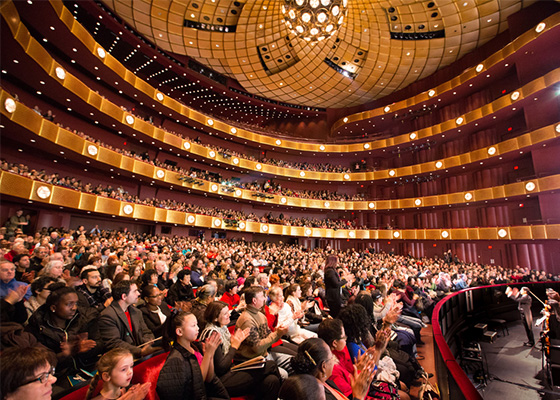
204, 296
332, 332
54, 269
405, 336
181, 290
301, 387
27, 373
121, 276
162, 269
280, 313
91, 293
149, 278
17, 248
37, 262
8, 279
263, 382
293, 294
122, 325
357, 327
187, 374
114, 368
230, 295
23, 274
261, 338
197, 273
110, 272
135, 270
40, 292
315, 358
68, 331
154, 310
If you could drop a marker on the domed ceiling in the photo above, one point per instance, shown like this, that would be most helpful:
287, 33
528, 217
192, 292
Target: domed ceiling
381, 47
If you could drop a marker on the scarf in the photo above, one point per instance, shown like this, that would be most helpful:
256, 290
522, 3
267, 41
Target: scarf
223, 331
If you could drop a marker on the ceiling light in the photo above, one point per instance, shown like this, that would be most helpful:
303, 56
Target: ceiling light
530, 186
314, 20
10, 105
60, 73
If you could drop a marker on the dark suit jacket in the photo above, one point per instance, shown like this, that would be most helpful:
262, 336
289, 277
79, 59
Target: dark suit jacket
115, 331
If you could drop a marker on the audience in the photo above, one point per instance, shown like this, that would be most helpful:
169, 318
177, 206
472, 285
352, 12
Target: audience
121, 194
77, 324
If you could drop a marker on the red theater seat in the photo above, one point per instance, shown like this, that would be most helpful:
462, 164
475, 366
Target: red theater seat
148, 371
80, 394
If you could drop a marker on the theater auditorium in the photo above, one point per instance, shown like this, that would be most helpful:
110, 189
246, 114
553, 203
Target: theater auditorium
291, 199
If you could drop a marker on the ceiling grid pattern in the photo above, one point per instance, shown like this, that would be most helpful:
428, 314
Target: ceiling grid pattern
400, 41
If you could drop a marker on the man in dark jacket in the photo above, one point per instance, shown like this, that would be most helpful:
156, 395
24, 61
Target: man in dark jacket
524, 302
92, 293
122, 325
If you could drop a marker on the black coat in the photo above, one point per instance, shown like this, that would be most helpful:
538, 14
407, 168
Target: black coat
333, 291
152, 319
178, 292
181, 378
51, 336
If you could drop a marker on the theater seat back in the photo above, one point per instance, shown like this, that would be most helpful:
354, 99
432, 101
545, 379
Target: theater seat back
148, 371
80, 394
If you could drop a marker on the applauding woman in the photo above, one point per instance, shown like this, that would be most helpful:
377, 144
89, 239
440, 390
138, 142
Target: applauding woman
263, 382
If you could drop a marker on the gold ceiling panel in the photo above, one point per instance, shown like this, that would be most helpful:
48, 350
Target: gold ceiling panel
225, 35
508, 50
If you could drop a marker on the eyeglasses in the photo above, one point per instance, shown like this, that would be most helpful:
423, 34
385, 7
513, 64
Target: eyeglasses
343, 338
43, 378
156, 296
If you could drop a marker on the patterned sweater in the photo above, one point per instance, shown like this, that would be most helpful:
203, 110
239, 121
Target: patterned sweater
260, 337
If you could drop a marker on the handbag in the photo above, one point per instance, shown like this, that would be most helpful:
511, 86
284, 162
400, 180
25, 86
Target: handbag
383, 391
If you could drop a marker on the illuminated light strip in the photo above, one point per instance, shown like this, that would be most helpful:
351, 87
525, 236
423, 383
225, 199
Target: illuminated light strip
25, 188
75, 27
